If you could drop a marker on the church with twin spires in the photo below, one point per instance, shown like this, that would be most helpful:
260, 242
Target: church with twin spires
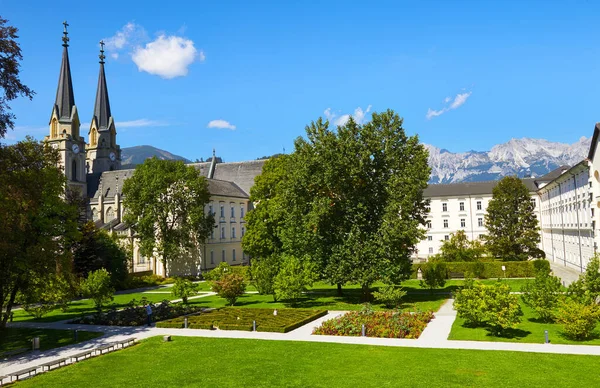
93, 169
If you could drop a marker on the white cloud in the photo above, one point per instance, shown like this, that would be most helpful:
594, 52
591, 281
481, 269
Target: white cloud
358, 116
458, 101
167, 56
130, 35
20, 131
221, 124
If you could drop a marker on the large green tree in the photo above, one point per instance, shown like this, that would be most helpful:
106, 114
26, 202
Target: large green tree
513, 232
164, 202
350, 199
460, 248
37, 224
10, 84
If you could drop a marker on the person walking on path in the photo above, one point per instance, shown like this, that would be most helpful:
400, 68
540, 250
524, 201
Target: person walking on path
149, 313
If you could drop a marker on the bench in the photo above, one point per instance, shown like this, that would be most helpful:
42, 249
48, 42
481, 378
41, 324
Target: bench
2, 380
60, 362
13, 352
108, 347
126, 342
83, 355
26, 371
456, 275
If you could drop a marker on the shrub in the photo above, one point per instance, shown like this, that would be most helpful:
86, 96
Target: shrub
98, 287
46, 294
541, 265
230, 286
293, 278
434, 275
218, 272
390, 296
469, 303
263, 273
184, 288
578, 319
542, 294
502, 309
487, 269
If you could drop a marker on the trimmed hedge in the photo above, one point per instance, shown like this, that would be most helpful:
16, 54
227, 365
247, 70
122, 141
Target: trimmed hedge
492, 269
293, 326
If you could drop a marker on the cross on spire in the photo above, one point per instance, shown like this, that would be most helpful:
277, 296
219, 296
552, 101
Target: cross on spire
65, 38
101, 56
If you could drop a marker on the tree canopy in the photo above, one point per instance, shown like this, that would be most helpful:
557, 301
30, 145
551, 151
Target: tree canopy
460, 248
165, 203
513, 232
10, 84
37, 225
350, 199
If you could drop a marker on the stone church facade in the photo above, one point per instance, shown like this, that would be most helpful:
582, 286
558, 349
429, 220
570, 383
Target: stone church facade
93, 168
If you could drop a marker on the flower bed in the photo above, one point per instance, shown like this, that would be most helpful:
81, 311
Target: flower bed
383, 324
135, 314
242, 319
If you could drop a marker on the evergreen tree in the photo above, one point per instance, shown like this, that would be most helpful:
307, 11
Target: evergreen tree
513, 232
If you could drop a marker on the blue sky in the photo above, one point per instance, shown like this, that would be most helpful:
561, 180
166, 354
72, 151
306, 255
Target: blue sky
484, 72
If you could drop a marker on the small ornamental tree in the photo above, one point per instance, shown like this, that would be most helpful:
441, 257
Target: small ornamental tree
434, 275
469, 303
293, 278
578, 319
542, 295
230, 287
502, 309
218, 272
513, 231
183, 289
263, 272
98, 287
390, 296
460, 248
46, 294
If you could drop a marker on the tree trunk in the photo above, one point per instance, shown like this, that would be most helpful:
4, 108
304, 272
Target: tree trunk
164, 268
9, 305
366, 293
339, 290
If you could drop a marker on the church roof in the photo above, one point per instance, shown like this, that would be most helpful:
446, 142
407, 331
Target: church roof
241, 173
102, 106
469, 188
65, 99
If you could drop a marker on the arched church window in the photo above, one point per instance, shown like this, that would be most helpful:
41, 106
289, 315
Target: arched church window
54, 128
94, 137
94, 215
110, 214
74, 170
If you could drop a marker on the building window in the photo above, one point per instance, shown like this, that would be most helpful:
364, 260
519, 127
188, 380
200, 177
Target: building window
428, 224
212, 233
95, 214
463, 222
233, 232
430, 249
110, 214
222, 232
445, 223
243, 231
429, 238
223, 255
232, 212
444, 207
222, 210
210, 209
462, 206
233, 255
533, 203
478, 205
212, 257
480, 221
446, 237
242, 211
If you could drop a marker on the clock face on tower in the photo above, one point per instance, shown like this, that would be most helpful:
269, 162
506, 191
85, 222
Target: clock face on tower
75, 148
112, 156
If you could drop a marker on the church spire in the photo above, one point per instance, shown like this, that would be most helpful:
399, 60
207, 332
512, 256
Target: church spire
65, 99
102, 106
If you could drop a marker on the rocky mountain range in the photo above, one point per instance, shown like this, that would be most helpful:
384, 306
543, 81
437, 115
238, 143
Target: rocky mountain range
521, 157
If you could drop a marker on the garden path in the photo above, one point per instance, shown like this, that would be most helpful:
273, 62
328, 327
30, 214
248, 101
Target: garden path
566, 274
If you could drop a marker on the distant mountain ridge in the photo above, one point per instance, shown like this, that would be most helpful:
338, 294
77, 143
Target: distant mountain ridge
132, 156
521, 157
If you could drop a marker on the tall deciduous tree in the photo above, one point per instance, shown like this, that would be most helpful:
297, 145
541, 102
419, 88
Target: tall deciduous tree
10, 84
460, 248
164, 202
513, 232
37, 225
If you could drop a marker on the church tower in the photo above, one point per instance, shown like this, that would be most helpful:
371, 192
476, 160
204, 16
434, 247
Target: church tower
64, 125
103, 153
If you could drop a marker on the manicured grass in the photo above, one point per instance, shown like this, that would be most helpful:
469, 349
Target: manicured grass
13, 338
213, 362
530, 330
242, 319
326, 299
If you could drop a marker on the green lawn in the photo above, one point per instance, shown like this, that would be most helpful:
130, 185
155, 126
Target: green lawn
13, 338
212, 362
530, 330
